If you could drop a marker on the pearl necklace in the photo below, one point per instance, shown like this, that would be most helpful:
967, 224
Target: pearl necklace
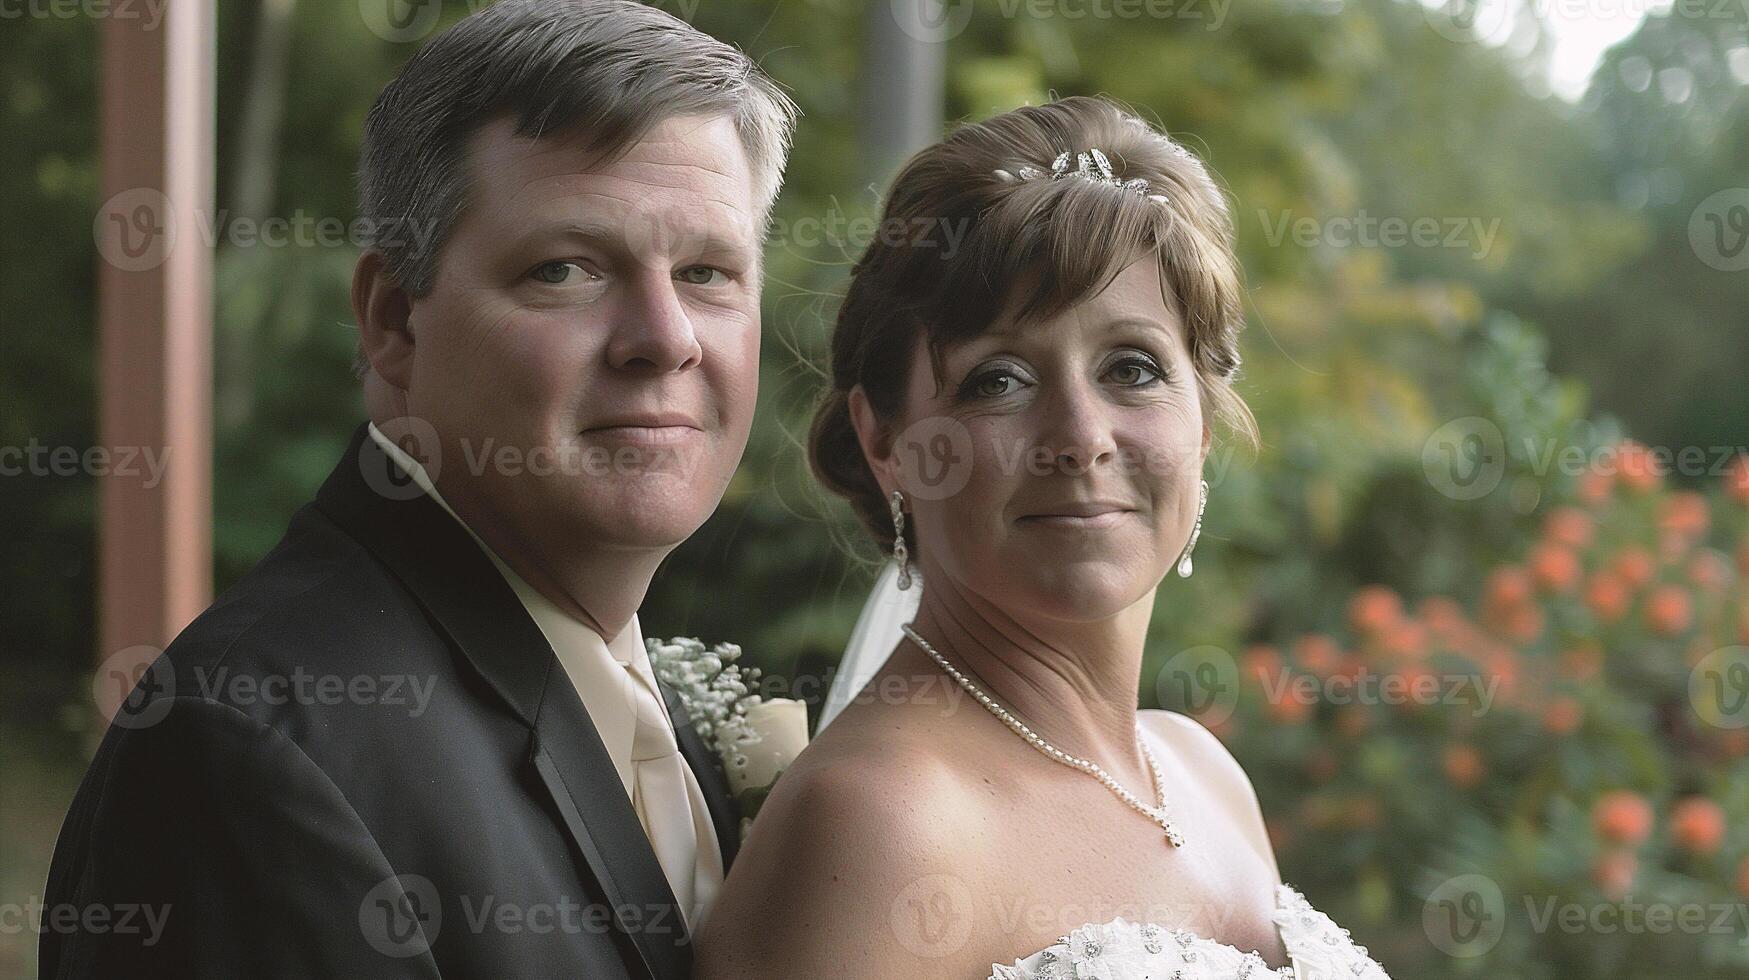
1159, 813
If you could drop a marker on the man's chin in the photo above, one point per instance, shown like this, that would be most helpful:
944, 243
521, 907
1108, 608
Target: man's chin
639, 520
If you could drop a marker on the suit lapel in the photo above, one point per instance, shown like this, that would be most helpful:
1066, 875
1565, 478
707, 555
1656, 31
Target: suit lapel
708, 770
456, 583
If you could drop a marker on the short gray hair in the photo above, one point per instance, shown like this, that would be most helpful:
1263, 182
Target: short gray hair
607, 69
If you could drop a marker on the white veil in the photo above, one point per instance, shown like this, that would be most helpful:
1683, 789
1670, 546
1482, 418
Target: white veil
872, 641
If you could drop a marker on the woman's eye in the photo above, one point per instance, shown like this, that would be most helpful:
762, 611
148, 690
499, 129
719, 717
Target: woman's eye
557, 273
700, 275
1134, 372
994, 383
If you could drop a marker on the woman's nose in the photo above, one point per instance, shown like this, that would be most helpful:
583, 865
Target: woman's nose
1081, 436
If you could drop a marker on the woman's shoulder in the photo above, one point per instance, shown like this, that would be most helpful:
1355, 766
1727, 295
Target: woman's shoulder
849, 831
1198, 748
867, 776
1218, 771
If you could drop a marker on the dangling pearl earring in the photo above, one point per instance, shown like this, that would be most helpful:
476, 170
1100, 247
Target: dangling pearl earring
900, 553
1195, 531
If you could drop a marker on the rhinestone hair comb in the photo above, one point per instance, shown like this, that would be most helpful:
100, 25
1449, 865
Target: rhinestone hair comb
1091, 165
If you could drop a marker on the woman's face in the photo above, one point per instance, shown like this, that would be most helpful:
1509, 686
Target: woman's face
1056, 472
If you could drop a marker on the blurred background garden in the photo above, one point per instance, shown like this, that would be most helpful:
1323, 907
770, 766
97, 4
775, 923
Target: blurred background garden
1497, 337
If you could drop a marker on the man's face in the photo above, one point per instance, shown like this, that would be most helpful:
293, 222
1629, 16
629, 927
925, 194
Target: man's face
589, 354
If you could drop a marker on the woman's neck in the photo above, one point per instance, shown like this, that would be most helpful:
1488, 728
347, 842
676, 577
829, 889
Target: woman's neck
1073, 683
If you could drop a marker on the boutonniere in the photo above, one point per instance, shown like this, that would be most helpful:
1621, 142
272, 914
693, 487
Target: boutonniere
756, 738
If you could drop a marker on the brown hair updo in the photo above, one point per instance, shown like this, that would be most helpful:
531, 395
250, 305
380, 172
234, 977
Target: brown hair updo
1035, 246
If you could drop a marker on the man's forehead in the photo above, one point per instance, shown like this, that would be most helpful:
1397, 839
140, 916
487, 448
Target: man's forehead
695, 149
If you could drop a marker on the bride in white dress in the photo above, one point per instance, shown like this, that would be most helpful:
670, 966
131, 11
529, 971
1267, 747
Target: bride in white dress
1024, 375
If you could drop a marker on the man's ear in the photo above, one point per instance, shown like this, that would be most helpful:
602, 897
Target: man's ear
875, 439
383, 309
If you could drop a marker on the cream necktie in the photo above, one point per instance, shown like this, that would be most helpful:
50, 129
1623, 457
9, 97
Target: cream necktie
669, 802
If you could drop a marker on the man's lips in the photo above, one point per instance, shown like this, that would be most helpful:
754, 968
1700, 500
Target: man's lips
658, 429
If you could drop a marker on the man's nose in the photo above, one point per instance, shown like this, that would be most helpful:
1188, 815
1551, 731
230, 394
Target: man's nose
653, 330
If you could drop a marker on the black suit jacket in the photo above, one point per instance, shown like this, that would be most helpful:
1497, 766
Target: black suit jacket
275, 798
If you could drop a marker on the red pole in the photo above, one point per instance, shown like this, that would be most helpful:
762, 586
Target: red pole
154, 333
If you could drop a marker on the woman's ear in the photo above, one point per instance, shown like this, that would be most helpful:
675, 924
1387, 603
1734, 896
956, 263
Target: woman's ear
383, 311
875, 439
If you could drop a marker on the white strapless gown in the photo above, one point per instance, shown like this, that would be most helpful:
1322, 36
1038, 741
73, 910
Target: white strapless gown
1317, 947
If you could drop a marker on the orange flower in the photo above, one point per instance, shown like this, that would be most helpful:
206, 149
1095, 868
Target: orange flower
1734, 742
1737, 479
1697, 825
1554, 566
1374, 609
1668, 610
1595, 486
1634, 564
1500, 665
1525, 624
1621, 817
1289, 708
1614, 873
1582, 662
1443, 615
1317, 653
1607, 596
1507, 588
1570, 526
1562, 716
1685, 513
1407, 639
1463, 765
1709, 570
1639, 468
1260, 664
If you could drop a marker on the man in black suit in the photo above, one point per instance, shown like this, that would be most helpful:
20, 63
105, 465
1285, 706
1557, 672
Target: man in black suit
422, 737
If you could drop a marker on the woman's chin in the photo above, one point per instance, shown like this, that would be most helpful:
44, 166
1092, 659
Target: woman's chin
1074, 591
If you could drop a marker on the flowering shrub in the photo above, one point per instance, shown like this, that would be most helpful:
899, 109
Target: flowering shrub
1549, 776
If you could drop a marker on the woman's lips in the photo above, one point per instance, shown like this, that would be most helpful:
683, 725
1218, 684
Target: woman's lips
1089, 521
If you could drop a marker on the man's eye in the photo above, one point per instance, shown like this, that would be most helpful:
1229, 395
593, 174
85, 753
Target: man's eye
559, 273
700, 275
1133, 372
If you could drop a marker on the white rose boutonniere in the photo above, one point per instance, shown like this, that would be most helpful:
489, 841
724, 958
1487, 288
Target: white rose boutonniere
756, 738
